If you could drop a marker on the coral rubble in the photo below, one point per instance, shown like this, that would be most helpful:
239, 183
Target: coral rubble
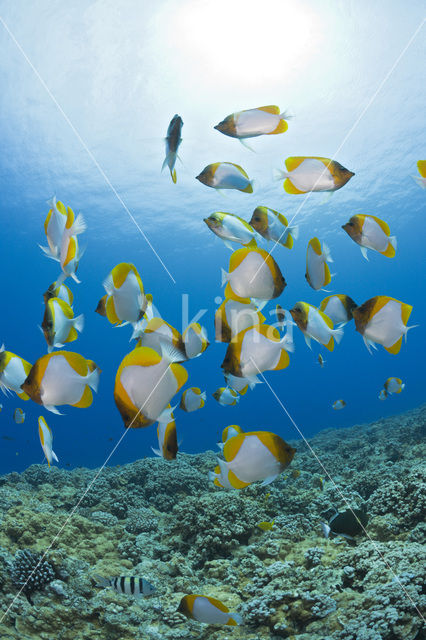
165, 522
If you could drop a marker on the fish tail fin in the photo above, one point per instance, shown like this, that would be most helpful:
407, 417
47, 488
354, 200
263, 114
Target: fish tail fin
79, 226
108, 284
174, 176
420, 181
337, 334
326, 252
407, 329
279, 174
100, 580
79, 322
235, 619
203, 396
294, 231
225, 277
393, 241
286, 116
93, 379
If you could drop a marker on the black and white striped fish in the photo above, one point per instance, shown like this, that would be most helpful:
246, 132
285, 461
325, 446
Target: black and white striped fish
138, 587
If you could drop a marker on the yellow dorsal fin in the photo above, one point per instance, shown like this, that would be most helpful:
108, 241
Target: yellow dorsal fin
326, 319
86, 398
237, 257
290, 188
240, 169
281, 217
76, 361
293, 162
180, 374
382, 224
110, 311
154, 324
271, 108
316, 245
271, 333
280, 128
120, 273
142, 357
395, 348
65, 307
218, 604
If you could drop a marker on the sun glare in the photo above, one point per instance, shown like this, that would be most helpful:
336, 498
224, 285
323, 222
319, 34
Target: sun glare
245, 42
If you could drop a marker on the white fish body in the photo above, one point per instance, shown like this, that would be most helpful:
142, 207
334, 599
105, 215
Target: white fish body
253, 461
258, 353
336, 311
193, 401
204, 611
54, 228
386, 326
63, 326
251, 279
319, 330
373, 236
311, 175
256, 122
63, 385
316, 266
13, 376
227, 176
128, 299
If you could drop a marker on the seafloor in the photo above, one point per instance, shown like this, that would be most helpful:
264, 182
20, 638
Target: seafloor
165, 522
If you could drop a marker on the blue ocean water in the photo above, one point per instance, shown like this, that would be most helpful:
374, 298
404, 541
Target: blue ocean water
87, 95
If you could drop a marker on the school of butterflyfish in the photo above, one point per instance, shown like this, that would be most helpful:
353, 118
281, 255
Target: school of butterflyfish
154, 371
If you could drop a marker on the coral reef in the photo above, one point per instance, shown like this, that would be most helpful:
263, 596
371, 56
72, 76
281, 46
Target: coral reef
165, 522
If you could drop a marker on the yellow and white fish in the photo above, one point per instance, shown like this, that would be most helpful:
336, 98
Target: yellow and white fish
62, 291
233, 316
255, 456
371, 233
315, 324
383, 394
167, 439
239, 384
195, 340
62, 377
71, 253
226, 396
157, 333
13, 372
230, 228
421, 179
125, 295
317, 271
192, 399
54, 226
273, 225
253, 273
46, 440
59, 325
226, 175
229, 432
339, 404
251, 123
144, 385
173, 140
383, 320
394, 385
338, 308
19, 416
256, 350
312, 173
207, 610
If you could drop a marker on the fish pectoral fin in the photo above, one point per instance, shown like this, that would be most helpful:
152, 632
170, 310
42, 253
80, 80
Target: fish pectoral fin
86, 399
269, 479
308, 340
157, 452
228, 245
54, 456
247, 146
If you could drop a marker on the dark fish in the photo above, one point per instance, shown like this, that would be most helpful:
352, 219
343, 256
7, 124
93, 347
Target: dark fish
173, 140
348, 524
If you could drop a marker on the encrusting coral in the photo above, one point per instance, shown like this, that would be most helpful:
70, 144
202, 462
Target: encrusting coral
165, 522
